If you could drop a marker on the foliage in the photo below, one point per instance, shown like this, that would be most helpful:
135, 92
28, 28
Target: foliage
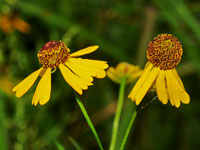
122, 29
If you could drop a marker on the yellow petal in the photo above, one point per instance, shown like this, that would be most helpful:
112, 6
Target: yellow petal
43, 90
26, 84
141, 80
85, 51
81, 72
73, 80
146, 85
93, 67
112, 74
161, 87
177, 77
172, 89
184, 97
176, 92
90, 62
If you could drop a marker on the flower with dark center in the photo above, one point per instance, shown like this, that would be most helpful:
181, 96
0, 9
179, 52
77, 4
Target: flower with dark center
164, 54
77, 72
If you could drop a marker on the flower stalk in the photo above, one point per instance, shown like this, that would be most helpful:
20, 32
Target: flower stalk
118, 114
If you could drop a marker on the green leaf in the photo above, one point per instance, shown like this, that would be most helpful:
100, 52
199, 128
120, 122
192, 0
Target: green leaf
76, 145
88, 121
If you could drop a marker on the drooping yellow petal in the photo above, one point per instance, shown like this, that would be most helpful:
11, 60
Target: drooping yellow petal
81, 72
85, 51
177, 77
176, 92
93, 67
184, 97
43, 90
146, 85
141, 80
73, 80
172, 89
171, 100
26, 84
161, 87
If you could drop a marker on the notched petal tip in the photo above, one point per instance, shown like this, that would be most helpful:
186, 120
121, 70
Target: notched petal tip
137, 102
42, 102
34, 104
18, 95
80, 92
177, 105
106, 65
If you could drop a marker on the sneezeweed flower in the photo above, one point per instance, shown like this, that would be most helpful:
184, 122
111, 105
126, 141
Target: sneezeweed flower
11, 22
164, 54
77, 72
124, 70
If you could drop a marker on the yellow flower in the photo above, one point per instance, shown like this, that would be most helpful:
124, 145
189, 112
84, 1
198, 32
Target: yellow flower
77, 72
124, 70
164, 54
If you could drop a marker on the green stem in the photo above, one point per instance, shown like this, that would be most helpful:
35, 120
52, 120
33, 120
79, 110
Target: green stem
88, 121
118, 114
128, 130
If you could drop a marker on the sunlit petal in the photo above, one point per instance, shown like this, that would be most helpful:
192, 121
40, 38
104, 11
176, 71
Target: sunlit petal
26, 84
93, 67
85, 51
43, 90
177, 77
80, 71
161, 87
73, 80
146, 85
176, 92
141, 80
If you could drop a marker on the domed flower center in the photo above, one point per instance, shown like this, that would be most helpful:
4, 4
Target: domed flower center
53, 53
164, 51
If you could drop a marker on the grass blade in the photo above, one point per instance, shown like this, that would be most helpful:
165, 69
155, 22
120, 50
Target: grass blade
76, 145
88, 121
128, 130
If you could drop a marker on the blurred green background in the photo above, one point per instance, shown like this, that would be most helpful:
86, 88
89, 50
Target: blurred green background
122, 29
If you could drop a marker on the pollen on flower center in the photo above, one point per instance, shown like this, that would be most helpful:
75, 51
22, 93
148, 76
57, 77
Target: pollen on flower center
164, 51
53, 53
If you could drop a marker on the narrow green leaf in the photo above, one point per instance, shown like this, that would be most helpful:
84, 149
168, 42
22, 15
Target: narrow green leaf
128, 130
59, 145
76, 145
88, 121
